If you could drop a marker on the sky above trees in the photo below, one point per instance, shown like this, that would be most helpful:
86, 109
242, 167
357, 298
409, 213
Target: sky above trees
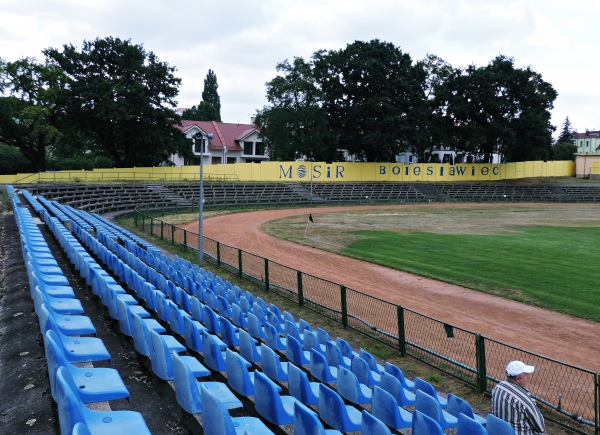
242, 42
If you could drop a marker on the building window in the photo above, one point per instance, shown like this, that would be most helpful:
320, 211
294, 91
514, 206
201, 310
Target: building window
249, 148
198, 145
260, 149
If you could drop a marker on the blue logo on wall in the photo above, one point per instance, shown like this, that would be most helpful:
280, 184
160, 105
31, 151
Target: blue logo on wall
302, 171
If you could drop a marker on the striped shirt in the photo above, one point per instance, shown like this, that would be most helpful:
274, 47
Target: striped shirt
514, 404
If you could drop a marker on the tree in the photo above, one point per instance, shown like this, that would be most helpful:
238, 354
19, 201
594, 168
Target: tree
294, 123
371, 93
122, 99
30, 115
209, 108
566, 133
564, 151
500, 108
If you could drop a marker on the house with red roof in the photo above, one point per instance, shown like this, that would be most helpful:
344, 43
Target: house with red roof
588, 142
222, 143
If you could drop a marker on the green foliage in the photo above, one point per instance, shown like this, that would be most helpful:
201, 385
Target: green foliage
498, 263
209, 108
564, 151
122, 99
12, 161
567, 133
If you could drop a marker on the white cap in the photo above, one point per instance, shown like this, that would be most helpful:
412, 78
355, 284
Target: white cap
515, 368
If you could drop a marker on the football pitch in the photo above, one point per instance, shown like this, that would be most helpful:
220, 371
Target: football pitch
541, 255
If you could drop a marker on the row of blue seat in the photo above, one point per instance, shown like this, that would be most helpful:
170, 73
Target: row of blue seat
63, 327
265, 323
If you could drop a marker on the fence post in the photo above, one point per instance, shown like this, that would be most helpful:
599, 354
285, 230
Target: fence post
151, 225
218, 253
240, 265
143, 223
480, 362
300, 291
266, 274
401, 330
172, 234
162, 229
185, 240
135, 217
344, 306
597, 422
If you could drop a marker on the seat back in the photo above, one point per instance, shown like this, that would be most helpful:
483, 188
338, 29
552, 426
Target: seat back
223, 306
497, 426
238, 377
141, 335
370, 359
294, 352
160, 358
238, 317
345, 347
228, 332
215, 418
468, 426
333, 354
385, 408
399, 374
310, 341
213, 358
255, 328
370, 425
428, 405
362, 371
291, 329
186, 391
248, 349
299, 386
319, 367
267, 401
55, 359
161, 306
272, 338
323, 336
426, 387
424, 425
70, 410
348, 386
192, 331
123, 317
306, 421
332, 410
211, 320
271, 364
457, 405
197, 309
392, 385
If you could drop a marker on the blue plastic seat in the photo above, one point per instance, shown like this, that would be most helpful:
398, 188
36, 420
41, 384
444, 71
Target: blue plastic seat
197, 309
255, 328
271, 364
58, 305
370, 359
124, 312
239, 378
272, 319
385, 408
392, 385
214, 354
192, 331
96, 384
187, 389
162, 310
295, 353
300, 387
310, 341
291, 330
426, 387
229, 333
66, 324
364, 373
272, 337
346, 348
217, 421
223, 307
141, 336
350, 389
468, 426
431, 407
320, 369
399, 374
176, 316
81, 349
371, 425
336, 413
238, 317
81, 429
162, 360
249, 348
323, 336
306, 422
211, 320
425, 425
72, 411
272, 406
497, 426
334, 356
458, 405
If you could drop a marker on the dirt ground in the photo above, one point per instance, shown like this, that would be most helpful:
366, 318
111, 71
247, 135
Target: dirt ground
568, 339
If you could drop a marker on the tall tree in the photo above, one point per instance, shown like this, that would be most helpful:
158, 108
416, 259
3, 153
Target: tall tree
209, 108
371, 94
30, 114
294, 123
566, 133
123, 99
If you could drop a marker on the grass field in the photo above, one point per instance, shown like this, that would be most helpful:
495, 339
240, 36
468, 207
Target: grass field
541, 255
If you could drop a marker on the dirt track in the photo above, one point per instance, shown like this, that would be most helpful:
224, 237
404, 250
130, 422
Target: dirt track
558, 336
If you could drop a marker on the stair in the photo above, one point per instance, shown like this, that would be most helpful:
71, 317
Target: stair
168, 195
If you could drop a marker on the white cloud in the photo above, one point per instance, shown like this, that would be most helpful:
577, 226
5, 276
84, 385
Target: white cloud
242, 41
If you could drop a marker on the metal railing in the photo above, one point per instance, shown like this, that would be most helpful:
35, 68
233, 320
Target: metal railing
471, 357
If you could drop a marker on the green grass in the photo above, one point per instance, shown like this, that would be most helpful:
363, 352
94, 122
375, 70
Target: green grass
551, 267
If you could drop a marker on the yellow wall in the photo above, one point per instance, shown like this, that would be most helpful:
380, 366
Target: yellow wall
316, 172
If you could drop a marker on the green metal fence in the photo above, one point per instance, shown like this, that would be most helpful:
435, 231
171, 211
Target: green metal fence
475, 359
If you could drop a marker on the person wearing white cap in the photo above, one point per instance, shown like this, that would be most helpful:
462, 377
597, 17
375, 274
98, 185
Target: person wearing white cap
512, 401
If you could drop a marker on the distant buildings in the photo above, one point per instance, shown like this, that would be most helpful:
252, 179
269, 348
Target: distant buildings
588, 142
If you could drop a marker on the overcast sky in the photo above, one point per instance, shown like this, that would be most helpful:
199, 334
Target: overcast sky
243, 40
